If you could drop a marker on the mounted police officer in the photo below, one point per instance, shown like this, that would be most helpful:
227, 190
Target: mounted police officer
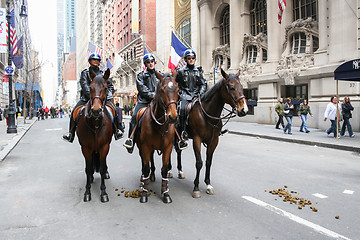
94, 61
191, 84
146, 83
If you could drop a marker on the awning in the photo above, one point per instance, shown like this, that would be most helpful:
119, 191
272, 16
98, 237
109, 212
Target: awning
21, 86
348, 71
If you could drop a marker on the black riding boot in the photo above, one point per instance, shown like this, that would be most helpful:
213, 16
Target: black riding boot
69, 137
117, 129
129, 143
184, 136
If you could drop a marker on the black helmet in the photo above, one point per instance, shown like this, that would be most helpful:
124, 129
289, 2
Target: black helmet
188, 53
148, 56
94, 56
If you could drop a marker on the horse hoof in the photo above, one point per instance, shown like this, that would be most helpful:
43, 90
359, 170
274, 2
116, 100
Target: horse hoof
107, 175
152, 178
169, 174
196, 194
104, 198
144, 198
210, 190
166, 198
181, 175
87, 197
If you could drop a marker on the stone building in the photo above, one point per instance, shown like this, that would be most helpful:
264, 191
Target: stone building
296, 58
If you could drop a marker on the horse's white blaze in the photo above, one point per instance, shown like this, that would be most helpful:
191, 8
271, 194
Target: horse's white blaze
246, 109
170, 84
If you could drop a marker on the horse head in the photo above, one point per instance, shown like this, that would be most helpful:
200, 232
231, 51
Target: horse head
234, 93
98, 92
167, 95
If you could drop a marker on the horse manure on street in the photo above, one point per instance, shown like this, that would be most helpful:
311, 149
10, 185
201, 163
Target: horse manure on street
288, 197
131, 194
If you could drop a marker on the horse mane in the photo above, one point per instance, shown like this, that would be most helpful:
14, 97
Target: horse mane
210, 93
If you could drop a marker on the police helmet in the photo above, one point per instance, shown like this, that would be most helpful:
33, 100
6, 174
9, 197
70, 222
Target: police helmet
188, 53
147, 57
94, 56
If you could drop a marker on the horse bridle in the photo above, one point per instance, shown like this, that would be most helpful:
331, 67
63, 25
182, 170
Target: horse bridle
91, 104
165, 107
231, 113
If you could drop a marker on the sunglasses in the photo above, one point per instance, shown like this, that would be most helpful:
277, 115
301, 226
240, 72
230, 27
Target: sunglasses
149, 61
190, 58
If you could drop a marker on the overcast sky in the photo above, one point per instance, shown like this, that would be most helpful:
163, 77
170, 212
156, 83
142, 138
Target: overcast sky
42, 25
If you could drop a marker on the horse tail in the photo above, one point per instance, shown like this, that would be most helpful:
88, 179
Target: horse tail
96, 161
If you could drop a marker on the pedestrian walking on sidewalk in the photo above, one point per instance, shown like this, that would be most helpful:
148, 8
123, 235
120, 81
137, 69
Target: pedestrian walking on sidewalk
279, 109
303, 112
6, 114
1, 114
330, 113
289, 113
346, 109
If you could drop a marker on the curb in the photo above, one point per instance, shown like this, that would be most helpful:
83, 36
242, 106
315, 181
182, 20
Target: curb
8, 148
300, 141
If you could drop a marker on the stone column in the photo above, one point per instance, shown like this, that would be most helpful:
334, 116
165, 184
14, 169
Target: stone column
206, 40
321, 53
275, 38
236, 35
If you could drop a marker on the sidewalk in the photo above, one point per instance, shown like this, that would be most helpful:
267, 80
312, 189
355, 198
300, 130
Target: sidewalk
316, 137
9, 140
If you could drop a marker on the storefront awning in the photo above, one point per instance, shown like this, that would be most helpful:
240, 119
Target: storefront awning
348, 71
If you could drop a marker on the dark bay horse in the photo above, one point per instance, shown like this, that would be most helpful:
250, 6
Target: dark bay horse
95, 133
157, 132
204, 123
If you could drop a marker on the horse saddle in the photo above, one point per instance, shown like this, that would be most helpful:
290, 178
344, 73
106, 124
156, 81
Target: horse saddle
190, 105
140, 113
80, 110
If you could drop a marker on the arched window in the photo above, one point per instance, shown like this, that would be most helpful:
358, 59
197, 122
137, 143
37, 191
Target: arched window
184, 31
225, 26
258, 17
305, 9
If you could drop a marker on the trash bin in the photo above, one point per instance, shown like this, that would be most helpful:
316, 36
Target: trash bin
20, 121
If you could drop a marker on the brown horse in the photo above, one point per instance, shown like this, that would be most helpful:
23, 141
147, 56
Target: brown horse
204, 123
157, 132
95, 133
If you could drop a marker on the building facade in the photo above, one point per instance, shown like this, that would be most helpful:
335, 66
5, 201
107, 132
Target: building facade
129, 28
296, 58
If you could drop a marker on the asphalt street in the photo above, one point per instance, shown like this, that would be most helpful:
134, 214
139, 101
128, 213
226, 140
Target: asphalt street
42, 182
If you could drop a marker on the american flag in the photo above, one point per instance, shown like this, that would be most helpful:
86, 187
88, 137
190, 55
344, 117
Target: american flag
94, 49
281, 8
13, 35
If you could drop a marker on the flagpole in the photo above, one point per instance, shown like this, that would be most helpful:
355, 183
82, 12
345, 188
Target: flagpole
11, 115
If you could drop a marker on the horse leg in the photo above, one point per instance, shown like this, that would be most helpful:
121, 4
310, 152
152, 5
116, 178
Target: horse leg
181, 174
209, 155
145, 158
164, 171
103, 172
152, 167
198, 165
169, 172
89, 170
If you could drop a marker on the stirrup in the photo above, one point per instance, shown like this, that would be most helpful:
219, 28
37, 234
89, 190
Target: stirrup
68, 137
223, 132
182, 145
184, 135
128, 143
118, 134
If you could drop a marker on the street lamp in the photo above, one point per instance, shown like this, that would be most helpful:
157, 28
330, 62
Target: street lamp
11, 115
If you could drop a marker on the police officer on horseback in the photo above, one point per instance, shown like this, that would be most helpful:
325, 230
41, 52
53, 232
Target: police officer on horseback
191, 84
94, 61
146, 83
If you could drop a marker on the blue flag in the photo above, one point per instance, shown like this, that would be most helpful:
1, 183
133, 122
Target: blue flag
108, 64
18, 58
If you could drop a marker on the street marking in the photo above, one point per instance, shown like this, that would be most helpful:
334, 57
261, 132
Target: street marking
319, 195
53, 129
295, 218
348, 191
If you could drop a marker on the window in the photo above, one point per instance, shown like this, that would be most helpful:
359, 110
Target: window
184, 30
225, 26
251, 54
251, 96
258, 17
298, 43
305, 9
